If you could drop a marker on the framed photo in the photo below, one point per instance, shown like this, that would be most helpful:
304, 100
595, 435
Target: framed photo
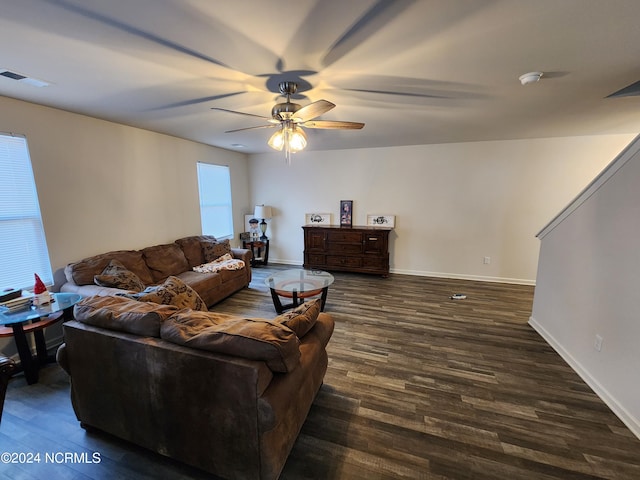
245, 236
378, 220
317, 219
346, 213
252, 226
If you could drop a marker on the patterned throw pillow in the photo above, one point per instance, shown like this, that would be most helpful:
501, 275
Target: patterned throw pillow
116, 275
175, 292
214, 250
302, 318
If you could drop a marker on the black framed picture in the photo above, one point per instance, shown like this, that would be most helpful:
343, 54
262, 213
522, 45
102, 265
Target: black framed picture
346, 213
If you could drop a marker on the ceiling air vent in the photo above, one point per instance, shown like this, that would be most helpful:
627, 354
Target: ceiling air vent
34, 82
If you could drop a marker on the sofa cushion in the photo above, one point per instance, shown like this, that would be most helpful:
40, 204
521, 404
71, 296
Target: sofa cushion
255, 339
116, 275
83, 272
200, 282
192, 248
174, 292
212, 251
302, 318
122, 314
165, 260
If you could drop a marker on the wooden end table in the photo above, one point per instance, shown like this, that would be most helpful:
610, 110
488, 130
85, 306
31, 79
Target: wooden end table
259, 250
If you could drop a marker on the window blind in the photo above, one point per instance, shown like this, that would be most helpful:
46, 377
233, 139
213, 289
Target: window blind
23, 246
216, 213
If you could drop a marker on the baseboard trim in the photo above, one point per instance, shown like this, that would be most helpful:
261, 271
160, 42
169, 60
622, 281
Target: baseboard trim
457, 276
618, 409
422, 273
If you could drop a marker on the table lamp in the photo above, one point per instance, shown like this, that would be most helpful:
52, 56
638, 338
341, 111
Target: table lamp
263, 212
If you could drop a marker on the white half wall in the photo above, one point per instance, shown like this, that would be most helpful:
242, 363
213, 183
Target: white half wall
587, 286
454, 203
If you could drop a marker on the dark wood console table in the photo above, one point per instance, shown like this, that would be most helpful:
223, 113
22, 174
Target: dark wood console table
362, 249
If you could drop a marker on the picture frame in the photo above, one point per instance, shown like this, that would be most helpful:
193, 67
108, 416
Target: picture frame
346, 213
377, 220
245, 236
317, 219
252, 226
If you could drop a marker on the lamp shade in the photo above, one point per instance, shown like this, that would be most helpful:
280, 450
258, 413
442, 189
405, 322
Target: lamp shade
277, 140
262, 211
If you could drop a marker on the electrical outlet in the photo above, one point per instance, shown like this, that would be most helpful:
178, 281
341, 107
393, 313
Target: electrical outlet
597, 344
487, 260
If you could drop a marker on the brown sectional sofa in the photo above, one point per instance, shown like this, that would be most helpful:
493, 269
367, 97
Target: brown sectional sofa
223, 393
153, 265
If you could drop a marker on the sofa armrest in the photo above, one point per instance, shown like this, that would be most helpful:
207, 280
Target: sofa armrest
62, 359
246, 256
242, 254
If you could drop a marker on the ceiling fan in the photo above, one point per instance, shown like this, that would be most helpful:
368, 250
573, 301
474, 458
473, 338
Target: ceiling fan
291, 117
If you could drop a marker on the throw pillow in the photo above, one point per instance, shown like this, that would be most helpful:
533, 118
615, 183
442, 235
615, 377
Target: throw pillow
212, 251
302, 318
116, 275
175, 292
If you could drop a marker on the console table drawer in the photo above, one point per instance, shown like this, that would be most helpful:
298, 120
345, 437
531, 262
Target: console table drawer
345, 237
314, 259
345, 248
375, 262
341, 261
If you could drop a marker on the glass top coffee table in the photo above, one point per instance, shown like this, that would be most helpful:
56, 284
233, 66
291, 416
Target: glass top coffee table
297, 285
32, 319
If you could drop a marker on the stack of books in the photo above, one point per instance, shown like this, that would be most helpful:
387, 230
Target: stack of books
16, 304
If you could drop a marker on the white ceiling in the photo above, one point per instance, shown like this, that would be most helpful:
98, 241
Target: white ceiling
414, 71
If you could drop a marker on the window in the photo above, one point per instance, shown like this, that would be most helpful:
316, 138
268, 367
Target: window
23, 246
216, 214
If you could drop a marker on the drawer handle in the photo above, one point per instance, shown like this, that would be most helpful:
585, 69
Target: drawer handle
373, 238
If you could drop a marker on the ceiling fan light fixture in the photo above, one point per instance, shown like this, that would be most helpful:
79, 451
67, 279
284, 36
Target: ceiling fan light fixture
297, 139
277, 140
292, 137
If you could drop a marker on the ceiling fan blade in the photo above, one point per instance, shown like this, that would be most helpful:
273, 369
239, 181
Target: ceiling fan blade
313, 110
333, 124
240, 113
253, 128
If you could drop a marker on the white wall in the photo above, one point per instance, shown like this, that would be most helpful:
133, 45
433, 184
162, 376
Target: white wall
454, 203
104, 186
587, 285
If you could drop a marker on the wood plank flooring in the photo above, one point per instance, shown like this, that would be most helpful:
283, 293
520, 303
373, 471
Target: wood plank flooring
418, 387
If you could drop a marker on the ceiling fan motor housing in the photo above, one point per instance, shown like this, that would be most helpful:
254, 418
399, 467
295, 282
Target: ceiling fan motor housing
284, 111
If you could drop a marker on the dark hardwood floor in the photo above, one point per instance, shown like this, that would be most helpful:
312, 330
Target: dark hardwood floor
419, 386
